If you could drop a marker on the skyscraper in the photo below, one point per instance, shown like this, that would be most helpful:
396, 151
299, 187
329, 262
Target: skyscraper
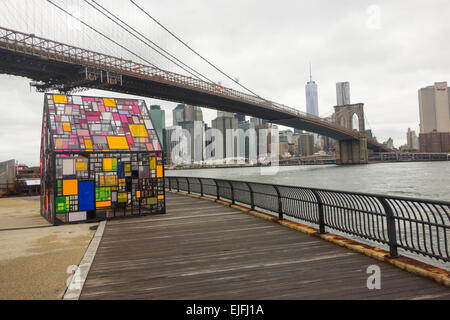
224, 122
434, 109
159, 120
412, 142
343, 93
312, 102
185, 112
178, 114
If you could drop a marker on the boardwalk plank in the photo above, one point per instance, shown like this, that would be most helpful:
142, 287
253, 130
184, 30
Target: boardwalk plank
203, 250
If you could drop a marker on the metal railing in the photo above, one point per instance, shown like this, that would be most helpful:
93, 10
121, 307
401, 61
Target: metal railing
419, 226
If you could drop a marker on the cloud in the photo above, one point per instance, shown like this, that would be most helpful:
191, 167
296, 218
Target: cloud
267, 44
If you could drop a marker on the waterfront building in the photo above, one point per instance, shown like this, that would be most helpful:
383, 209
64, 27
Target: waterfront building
184, 112
170, 133
306, 144
412, 141
389, 143
434, 110
226, 121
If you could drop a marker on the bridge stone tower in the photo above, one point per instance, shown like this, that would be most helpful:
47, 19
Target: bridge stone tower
351, 151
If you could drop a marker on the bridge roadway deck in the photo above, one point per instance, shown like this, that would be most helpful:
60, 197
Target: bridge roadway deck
204, 250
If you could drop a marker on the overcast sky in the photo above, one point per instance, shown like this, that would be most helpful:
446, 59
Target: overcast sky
387, 50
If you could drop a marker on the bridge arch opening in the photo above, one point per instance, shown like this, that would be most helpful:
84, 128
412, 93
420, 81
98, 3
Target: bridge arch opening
355, 121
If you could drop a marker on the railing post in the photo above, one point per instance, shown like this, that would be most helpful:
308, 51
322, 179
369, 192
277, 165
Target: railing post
232, 191
392, 235
178, 185
280, 206
252, 197
217, 189
320, 207
201, 186
188, 186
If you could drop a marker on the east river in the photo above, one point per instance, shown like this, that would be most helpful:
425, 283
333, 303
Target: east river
430, 180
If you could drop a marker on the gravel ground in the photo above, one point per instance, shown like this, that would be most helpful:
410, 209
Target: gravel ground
34, 256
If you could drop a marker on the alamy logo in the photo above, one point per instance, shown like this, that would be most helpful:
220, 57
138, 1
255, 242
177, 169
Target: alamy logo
374, 280
74, 280
234, 146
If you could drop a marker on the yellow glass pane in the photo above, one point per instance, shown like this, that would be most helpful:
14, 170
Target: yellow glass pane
108, 181
58, 143
60, 98
152, 163
138, 130
102, 204
81, 165
70, 187
66, 126
122, 197
159, 171
107, 164
117, 143
109, 102
138, 194
161, 197
88, 143
127, 167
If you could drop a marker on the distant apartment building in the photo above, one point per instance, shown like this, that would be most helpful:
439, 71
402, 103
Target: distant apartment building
190, 119
412, 141
171, 139
434, 110
184, 112
305, 144
389, 143
226, 121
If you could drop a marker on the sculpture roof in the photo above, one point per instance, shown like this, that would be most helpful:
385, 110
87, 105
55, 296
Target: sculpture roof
95, 124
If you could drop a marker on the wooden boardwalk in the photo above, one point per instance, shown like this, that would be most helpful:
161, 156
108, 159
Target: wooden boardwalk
204, 250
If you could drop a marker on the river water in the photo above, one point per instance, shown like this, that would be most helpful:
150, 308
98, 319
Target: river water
429, 180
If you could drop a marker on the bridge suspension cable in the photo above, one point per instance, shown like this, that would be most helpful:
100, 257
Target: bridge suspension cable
102, 34
148, 42
194, 51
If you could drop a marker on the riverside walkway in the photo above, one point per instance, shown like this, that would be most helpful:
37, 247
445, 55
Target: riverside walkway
204, 250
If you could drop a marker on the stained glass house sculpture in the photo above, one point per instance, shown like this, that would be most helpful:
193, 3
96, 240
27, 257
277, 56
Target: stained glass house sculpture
100, 158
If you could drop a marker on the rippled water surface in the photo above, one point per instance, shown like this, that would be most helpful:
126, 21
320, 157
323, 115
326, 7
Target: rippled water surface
411, 179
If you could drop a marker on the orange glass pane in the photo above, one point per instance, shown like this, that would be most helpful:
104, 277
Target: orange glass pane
88, 143
109, 102
117, 143
159, 171
102, 204
66, 126
60, 98
70, 187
